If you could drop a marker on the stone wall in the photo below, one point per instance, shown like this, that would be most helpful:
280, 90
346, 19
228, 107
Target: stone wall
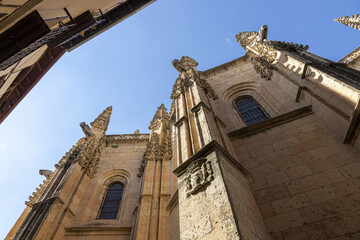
304, 181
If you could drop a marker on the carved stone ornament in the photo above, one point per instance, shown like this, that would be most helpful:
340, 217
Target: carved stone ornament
351, 56
352, 21
161, 116
263, 67
199, 174
35, 195
89, 158
188, 74
266, 51
159, 147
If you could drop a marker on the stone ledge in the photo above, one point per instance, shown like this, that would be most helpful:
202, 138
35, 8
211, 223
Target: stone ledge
270, 123
122, 137
210, 147
198, 107
86, 229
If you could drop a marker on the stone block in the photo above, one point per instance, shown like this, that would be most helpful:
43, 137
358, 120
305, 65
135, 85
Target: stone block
277, 178
290, 203
284, 221
271, 193
306, 232
321, 195
343, 225
298, 172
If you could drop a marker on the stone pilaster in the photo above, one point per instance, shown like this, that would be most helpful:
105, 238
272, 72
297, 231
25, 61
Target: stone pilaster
152, 215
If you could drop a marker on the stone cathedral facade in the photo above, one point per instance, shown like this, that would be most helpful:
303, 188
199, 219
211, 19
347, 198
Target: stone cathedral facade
262, 147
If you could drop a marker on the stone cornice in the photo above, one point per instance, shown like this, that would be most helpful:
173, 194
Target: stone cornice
270, 123
126, 137
97, 227
198, 107
351, 56
208, 148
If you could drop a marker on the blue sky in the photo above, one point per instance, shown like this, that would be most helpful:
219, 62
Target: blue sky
129, 67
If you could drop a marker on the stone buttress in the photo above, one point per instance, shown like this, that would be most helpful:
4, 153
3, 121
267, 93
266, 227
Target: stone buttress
214, 198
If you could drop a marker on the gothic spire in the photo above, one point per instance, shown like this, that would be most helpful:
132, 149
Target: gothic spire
353, 21
160, 116
102, 121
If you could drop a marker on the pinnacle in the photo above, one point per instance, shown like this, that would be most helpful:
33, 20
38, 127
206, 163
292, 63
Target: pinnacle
102, 121
352, 21
160, 115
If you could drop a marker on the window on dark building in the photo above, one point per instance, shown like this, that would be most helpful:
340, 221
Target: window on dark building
250, 111
111, 204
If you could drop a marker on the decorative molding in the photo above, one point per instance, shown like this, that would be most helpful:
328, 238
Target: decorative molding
198, 107
188, 75
180, 121
36, 195
125, 137
352, 21
89, 158
266, 51
351, 56
199, 174
206, 150
97, 227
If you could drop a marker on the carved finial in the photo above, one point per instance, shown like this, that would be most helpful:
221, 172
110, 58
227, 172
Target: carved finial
188, 62
246, 38
45, 172
102, 121
160, 116
353, 21
137, 131
86, 129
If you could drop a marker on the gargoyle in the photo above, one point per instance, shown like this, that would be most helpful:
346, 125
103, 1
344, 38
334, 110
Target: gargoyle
86, 129
45, 172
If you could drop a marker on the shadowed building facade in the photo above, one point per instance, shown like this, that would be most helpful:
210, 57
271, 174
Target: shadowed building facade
262, 147
34, 34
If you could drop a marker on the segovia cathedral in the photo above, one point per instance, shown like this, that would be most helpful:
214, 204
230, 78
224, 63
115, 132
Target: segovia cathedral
262, 147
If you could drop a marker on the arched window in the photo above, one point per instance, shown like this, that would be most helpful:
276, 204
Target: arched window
250, 111
111, 204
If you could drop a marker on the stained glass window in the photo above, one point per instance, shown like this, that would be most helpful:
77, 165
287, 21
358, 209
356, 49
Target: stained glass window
112, 201
250, 111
